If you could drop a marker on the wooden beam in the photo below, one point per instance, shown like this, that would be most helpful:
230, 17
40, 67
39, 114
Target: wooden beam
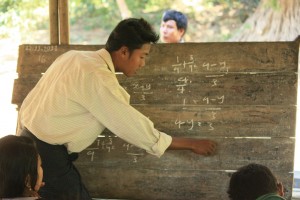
63, 22
53, 15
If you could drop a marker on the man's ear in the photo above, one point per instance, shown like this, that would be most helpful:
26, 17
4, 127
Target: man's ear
124, 51
280, 189
181, 31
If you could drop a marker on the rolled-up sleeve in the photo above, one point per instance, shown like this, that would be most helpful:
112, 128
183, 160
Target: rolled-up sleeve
108, 102
161, 145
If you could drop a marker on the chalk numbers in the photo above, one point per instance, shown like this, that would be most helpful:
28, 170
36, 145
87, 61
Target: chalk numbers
142, 90
192, 124
188, 65
108, 145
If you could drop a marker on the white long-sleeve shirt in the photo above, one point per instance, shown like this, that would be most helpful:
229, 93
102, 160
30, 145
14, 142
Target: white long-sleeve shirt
78, 97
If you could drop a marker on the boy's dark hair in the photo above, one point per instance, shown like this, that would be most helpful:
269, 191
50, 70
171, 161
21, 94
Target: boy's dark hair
178, 17
18, 159
132, 33
251, 181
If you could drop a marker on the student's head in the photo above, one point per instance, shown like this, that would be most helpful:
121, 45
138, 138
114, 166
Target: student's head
129, 44
173, 26
20, 167
252, 181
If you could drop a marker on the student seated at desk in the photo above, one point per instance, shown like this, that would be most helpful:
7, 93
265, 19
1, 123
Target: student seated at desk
21, 170
254, 182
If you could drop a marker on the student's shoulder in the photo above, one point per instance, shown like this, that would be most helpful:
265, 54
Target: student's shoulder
271, 196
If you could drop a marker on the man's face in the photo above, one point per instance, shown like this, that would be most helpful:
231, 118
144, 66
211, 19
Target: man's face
132, 62
169, 32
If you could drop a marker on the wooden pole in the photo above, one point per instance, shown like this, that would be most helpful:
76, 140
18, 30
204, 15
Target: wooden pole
63, 21
125, 12
53, 16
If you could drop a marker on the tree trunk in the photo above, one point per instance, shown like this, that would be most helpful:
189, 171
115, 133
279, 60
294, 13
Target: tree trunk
125, 12
277, 22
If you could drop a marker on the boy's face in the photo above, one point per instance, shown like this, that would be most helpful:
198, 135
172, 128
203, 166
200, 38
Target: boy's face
169, 33
131, 62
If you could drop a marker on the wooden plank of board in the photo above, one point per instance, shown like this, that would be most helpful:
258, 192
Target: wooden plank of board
131, 184
232, 89
113, 152
183, 58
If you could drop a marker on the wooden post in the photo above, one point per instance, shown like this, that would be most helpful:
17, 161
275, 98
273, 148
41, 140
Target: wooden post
125, 12
53, 15
63, 21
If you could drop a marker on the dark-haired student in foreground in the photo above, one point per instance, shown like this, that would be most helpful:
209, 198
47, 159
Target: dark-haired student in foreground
21, 171
79, 96
255, 182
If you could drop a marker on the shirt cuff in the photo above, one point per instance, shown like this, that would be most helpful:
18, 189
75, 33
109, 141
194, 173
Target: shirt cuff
162, 144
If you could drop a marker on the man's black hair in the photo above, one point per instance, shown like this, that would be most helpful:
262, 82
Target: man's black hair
178, 17
132, 33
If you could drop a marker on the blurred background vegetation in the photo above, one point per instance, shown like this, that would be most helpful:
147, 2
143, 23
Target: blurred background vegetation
91, 21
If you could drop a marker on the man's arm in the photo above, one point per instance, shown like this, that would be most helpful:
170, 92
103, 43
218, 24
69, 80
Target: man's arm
198, 146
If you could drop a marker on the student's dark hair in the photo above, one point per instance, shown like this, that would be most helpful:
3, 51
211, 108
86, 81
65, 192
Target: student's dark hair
178, 17
251, 181
132, 33
18, 159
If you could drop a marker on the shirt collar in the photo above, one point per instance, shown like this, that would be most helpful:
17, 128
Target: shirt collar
271, 196
104, 54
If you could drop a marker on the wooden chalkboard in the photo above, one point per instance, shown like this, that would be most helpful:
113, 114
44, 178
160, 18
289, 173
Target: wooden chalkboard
243, 95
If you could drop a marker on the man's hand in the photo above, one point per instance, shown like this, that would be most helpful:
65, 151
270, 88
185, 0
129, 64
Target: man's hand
199, 146
204, 147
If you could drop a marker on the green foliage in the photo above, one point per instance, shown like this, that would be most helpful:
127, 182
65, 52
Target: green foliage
106, 14
94, 13
274, 4
231, 2
31, 15
22, 14
7, 5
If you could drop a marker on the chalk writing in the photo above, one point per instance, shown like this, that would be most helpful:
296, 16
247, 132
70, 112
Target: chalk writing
91, 153
185, 65
135, 156
133, 151
42, 59
41, 48
221, 66
142, 89
189, 65
215, 82
106, 145
213, 114
218, 99
183, 83
190, 123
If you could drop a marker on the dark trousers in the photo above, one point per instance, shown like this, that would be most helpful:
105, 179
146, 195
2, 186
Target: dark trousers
62, 179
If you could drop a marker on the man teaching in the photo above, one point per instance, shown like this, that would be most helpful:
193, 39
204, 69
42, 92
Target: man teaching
79, 96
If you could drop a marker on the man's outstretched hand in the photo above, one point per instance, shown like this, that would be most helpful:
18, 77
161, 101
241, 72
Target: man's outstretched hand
199, 146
